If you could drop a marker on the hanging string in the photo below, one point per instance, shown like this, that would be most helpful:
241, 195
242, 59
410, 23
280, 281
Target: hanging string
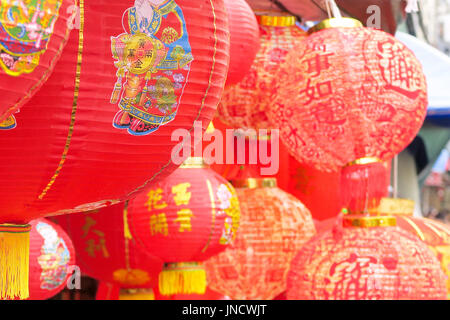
395, 164
331, 4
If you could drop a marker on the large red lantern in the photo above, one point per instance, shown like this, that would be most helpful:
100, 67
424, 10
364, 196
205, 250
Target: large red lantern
348, 93
244, 39
243, 105
100, 129
185, 219
32, 37
367, 259
107, 251
52, 259
274, 226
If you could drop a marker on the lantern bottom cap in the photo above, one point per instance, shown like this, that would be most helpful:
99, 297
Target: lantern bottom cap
182, 278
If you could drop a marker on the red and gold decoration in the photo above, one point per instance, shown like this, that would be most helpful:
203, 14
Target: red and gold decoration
365, 258
243, 105
347, 93
52, 259
185, 219
274, 226
33, 34
244, 39
75, 151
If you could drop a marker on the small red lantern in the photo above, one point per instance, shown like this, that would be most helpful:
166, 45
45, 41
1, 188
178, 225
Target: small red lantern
107, 251
244, 39
243, 105
100, 129
32, 37
274, 226
52, 258
367, 259
190, 216
346, 93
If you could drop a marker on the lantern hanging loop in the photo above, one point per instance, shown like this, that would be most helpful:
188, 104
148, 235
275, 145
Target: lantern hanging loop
333, 9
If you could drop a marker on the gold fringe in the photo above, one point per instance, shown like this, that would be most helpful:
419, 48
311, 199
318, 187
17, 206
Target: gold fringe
185, 280
14, 265
137, 294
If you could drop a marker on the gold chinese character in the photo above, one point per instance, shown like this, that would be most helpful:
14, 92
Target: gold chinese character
184, 219
92, 247
155, 200
158, 224
182, 196
90, 222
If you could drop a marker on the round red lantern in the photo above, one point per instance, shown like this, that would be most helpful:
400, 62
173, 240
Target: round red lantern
100, 129
367, 259
107, 251
32, 37
274, 226
244, 39
185, 219
243, 105
52, 258
346, 93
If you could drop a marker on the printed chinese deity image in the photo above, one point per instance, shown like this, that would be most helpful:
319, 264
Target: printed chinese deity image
154, 57
25, 30
54, 258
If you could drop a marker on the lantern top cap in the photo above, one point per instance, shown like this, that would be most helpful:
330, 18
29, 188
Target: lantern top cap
193, 163
364, 161
357, 221
336, 23
275, 19
255, 183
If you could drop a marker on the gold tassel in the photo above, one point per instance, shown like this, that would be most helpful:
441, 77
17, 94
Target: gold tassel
14, 261
136, 294
182, 278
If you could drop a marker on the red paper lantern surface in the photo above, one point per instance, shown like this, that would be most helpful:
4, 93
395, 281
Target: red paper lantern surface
52, 257
348, 93
380, 263
107, 251
32, 37
185, 219
274, 226
244, 39
243, 105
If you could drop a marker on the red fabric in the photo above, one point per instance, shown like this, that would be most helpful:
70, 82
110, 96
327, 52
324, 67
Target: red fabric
30, 45
104, 252
244, 39
348, 93
190, 216
52, 257
61, 159
365, 263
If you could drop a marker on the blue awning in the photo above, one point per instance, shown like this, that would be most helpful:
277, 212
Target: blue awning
436, 67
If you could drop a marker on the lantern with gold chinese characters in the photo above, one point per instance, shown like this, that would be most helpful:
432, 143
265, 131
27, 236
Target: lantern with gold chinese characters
244, 104
52, 259
347, 93
365, 258
99, 131
107, 251
33, 34
183, 220
274, 226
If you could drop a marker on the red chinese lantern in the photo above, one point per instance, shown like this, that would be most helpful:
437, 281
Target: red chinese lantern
244, 39
243, 105
190, 216
107, 251
99, 131
32, 37
348, 93
52, 257
274, 226
366, 259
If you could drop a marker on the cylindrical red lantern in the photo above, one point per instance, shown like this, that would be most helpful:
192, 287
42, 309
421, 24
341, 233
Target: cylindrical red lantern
243, 105
32, 37
100, 129
274, 226
52, 258
185, 219
346, 93
244, 39
368, 259
107, 251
